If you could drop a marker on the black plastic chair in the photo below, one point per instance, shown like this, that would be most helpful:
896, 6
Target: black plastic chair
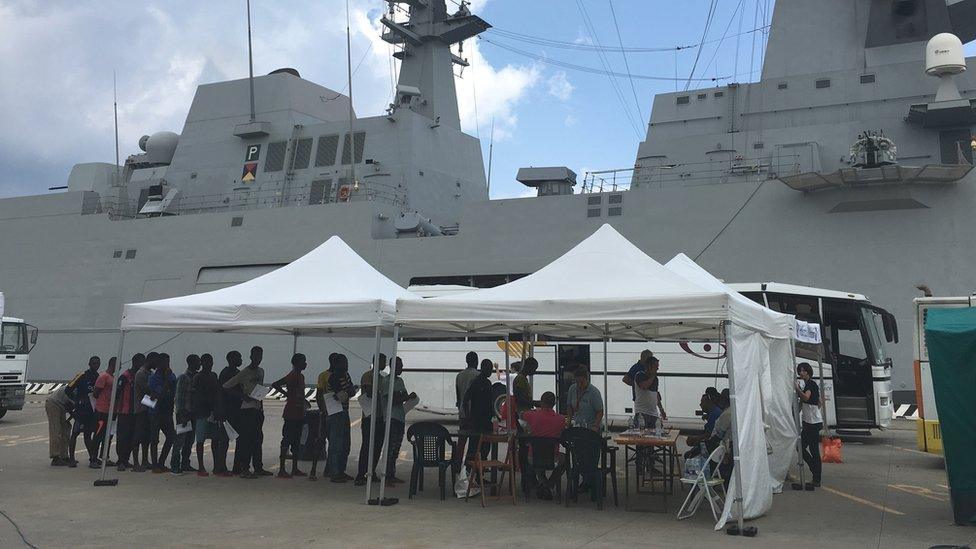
541, 462
429, 441
585, 450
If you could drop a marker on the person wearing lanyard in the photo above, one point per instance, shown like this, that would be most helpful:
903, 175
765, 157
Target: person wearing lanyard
585, 403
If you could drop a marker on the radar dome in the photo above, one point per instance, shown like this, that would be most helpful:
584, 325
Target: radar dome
944, 55
160, 147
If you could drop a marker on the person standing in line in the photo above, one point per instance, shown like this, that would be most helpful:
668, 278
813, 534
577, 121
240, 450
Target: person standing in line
461, 384
207, 419
183, 406
342, 389
58, 407
585, 403
366, 429
162, 389
644, 384
479, 409
809, 394
102, 392
126, 411
79, 390
142, 423
321, 388
231, 401
252, 415
398, 418
293, 387
522, 387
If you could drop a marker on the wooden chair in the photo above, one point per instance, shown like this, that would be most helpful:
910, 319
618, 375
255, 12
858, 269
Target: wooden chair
479, 466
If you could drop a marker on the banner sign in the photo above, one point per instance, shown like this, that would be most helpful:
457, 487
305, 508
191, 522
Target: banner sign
807, 332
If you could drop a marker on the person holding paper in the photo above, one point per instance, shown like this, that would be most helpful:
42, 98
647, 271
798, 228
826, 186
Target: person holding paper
293, 387
142, 427
162, 389
250, 381
231, 401
321, 388
341, 389
205, 400
102, 392
461, 383
126, 410
79, 390
365, 427
479, 408
397, 418
180, 461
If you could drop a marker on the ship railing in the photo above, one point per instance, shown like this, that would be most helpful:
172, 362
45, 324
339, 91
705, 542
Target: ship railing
659, 173
247, 198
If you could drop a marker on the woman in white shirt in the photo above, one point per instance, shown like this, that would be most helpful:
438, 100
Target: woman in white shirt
809, 394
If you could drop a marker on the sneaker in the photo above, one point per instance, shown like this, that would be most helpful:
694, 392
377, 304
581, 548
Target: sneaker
138, 468
297, 473
189, 468
110, 463
348, 477
121, 466
282, 474
263, 473
72, 462
816, 484
313, 478
338, 479
96, 461
159, 470
223, 474
59, 462
176, 472
360, 481
94, 465
376, 478
247, 475
203, 474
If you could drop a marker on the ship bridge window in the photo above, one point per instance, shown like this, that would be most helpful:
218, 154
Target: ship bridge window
823, 83
117, 254
359, 140
782, 85
303, 151
702, 96
719, 94
615, 211
593, 212
325, 154
594, 200
683, 99
867, 79
130, 254
275, 160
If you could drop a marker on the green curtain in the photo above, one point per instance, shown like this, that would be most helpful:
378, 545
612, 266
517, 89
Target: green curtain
950, 335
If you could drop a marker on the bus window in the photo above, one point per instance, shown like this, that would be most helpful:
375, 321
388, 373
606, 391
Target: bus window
874, 324
850, 344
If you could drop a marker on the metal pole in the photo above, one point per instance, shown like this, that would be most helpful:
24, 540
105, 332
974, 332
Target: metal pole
735, 423
111, 410
799, 426
294, 344
352, 146
823, 405
385, 456
372, 413
508, 375
250, 59
511, 413
606, 401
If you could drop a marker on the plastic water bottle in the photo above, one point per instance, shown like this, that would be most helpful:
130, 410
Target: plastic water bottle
703, 451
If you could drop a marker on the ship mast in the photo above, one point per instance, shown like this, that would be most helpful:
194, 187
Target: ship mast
351, 142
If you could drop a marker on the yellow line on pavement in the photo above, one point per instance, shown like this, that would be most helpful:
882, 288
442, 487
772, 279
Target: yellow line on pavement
919, 491
24, 425
863, 501
915, 451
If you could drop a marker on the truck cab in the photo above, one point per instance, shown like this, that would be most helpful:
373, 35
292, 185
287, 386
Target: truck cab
17, 338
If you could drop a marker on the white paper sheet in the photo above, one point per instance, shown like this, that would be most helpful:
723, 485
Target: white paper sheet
332, 405
366, 403
231, 432
148, 401
259, 392
183, 428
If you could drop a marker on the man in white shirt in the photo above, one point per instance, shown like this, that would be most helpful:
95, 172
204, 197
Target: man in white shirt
809, 395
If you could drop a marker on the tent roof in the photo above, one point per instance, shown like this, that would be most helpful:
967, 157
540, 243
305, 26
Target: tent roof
328, 290
604, 279
745, 312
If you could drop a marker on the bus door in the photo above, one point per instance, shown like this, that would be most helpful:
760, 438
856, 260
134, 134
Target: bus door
569, 357
852, 361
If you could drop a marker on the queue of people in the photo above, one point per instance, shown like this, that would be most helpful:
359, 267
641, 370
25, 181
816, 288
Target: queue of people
184, 412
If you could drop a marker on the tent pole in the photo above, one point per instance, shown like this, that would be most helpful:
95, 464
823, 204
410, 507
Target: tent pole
508, 375
111, 414
823, 405
294, 343
799, 427
737, 470
385, 456
372, 413
511, 413
606, 404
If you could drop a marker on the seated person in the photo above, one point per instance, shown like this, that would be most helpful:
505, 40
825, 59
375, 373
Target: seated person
706, 407
543, 422
717, 411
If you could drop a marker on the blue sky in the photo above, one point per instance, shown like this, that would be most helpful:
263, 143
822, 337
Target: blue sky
61, 55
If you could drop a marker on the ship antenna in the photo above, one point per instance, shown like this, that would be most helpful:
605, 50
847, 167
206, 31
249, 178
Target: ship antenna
115, 106
352, 155
491, 146
250, 59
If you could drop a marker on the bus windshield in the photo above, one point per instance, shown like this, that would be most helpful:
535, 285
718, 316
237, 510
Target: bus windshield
13, 338
873, 325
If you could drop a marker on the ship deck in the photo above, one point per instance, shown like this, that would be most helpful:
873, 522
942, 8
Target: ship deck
886, 494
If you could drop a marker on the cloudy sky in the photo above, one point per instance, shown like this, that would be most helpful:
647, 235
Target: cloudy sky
59, 57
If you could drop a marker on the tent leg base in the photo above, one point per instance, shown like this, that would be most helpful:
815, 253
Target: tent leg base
107, 482
385, 502
748, 531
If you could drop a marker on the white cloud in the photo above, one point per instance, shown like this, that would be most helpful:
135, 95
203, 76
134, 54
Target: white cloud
570, 121
560, 87
59, 57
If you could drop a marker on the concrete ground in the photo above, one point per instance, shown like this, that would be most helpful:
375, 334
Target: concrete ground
885, 494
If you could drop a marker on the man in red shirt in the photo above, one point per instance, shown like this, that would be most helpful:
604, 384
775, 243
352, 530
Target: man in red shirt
126, 411
102, 392
293, 387
545, 422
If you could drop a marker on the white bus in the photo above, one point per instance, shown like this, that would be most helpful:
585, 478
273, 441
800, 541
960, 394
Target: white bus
857, 395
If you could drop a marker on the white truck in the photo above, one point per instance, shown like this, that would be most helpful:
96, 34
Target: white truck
17, 338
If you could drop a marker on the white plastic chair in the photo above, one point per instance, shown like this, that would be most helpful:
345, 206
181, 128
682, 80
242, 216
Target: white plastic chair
708, 483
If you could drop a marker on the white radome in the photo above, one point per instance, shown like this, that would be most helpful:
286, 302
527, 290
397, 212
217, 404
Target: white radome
944, 55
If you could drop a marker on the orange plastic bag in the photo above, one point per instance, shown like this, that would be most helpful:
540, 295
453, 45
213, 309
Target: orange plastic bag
830, 450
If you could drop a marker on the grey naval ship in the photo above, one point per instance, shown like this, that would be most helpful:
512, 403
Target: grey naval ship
842, 168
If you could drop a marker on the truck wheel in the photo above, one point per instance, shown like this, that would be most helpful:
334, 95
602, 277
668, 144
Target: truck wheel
3, 412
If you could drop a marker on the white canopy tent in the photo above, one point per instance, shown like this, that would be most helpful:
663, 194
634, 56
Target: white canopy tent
330, 290
776, 365
607, 287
